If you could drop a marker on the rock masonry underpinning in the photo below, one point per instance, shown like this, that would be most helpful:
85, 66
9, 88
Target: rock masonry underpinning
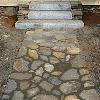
48, 67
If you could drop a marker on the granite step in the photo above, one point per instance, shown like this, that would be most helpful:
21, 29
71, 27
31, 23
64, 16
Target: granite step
50, 15
49, 24
50, 6
55, 5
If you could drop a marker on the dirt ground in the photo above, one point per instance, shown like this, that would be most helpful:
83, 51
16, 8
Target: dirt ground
89, 41
10, 42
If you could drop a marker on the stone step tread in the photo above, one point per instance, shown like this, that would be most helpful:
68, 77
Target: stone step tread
50, 6
50, 15
49, 24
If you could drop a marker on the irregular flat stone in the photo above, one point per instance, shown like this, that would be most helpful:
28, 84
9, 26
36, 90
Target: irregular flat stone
87, 78
22, 51
49, 25
44, 97
78, 62
60, 37
90, 95
67, 57
21, 65
88, 84
70, 87
48, 67
45, 51
18, 95
11, 86
56, 73
84, 71
36, 64
45, 58
24, 85
56, 92
36, 79
46, 75
20, 76
70, 75
39, 71
45, 85
53, 60
32, 92
59, 54
33, 54
5, 97
73, 50
54, 80
50, 6
33, 46
71, 97
50, 15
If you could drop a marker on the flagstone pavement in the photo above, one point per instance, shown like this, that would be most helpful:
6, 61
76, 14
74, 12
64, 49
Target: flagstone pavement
49, 67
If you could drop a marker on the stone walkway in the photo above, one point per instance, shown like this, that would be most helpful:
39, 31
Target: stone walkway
49, 67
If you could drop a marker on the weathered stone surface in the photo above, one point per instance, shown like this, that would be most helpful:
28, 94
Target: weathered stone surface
53, 60
84, 71
59, 54
70, 75
11, 86
39, 71
54, 80
24, 85
20, 76
73, 50
22, 51
50, 15
36, 79
32, 92
45, 58
48, 67
50, 6
69, 87
21, 65
56, 73
45, 51
18, 95
45, 85
36, 64
56, 92
46, 75
88, 84
44, 97
33, 46
59, 46
49, 25
67, 57
33, 54
60, 37
87, 77
71, 97
79, 62
5, 97
90, 95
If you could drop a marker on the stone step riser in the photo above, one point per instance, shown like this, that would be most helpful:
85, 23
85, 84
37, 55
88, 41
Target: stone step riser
50, 15
49, 25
